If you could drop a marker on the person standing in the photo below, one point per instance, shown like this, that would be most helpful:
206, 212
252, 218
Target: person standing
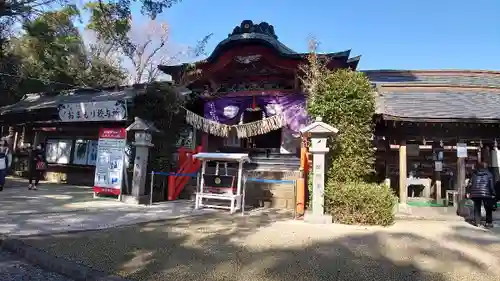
37, 166
5, 161
481, 190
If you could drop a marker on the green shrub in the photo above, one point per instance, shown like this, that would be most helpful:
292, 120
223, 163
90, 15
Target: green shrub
345, 99
360, 203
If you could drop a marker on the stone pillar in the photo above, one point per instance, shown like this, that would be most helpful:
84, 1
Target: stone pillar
142, 134
140, 171
403, 190
318, 193
319, 133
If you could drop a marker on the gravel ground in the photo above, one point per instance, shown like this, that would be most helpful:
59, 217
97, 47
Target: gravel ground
267, 247
13, 268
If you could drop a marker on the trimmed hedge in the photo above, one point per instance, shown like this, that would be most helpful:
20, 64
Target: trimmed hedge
360, 203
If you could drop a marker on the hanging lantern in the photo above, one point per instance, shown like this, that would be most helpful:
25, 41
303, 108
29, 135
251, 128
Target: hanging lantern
231, 111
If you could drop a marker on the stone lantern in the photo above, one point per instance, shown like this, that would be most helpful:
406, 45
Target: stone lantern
142, 141
318, 132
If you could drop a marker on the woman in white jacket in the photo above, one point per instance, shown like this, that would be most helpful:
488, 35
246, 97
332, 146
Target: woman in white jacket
5, 161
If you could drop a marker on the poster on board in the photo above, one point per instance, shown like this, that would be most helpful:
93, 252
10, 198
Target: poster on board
461, 150
109, 161
438, 166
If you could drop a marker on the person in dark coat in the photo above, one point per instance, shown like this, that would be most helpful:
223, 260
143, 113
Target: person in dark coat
5, 161
481, 190
37, 166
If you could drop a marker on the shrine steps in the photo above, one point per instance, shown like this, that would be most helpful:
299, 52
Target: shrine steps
273, 162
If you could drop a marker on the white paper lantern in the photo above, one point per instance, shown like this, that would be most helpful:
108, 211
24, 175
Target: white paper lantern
273, 109
231, 111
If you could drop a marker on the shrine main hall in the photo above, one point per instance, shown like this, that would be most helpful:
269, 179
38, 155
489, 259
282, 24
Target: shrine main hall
251, 100
431, 126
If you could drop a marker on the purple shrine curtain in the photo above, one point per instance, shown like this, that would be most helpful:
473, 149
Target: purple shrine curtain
228, 110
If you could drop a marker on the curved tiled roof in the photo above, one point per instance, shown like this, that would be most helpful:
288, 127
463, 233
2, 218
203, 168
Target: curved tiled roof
263, 34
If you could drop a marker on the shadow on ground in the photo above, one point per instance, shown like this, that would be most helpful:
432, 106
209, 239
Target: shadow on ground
265, 246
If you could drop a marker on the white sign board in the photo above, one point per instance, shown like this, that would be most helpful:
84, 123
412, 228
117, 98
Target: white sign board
110, 161
93, 111
461, 150
438, 166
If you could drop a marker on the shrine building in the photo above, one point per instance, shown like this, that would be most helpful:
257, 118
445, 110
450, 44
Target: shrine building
252, 101
431, 127
251, 80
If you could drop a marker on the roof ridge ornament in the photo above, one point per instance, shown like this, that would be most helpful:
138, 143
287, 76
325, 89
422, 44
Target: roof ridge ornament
247, 26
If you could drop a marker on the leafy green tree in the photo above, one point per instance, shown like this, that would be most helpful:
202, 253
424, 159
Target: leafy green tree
345, 100
52, 50
50, 55
162, 105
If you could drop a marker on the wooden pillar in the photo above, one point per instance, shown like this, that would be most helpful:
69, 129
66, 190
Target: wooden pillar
479, 154
302, 181
460, 179
486, 155
36, 139
437, 174
403, 190
437, 186
14, 145
387, 179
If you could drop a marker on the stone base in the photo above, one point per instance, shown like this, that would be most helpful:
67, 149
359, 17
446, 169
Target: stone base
135, 200
309, 217
402, 208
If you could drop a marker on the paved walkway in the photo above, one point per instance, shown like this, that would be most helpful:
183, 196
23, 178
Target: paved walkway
267, 247
57, 208
435, 213
13, 268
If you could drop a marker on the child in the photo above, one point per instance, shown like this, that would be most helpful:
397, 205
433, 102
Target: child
37, 166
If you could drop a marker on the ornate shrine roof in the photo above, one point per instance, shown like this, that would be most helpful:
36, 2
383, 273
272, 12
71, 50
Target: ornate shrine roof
262, 34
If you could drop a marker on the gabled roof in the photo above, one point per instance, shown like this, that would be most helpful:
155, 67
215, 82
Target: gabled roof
38, 101
439, 96
439, 106
479, 78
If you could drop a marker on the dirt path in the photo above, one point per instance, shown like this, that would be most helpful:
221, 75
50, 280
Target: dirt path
221, 247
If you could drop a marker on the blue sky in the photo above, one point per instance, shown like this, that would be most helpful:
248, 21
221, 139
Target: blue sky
389, 34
